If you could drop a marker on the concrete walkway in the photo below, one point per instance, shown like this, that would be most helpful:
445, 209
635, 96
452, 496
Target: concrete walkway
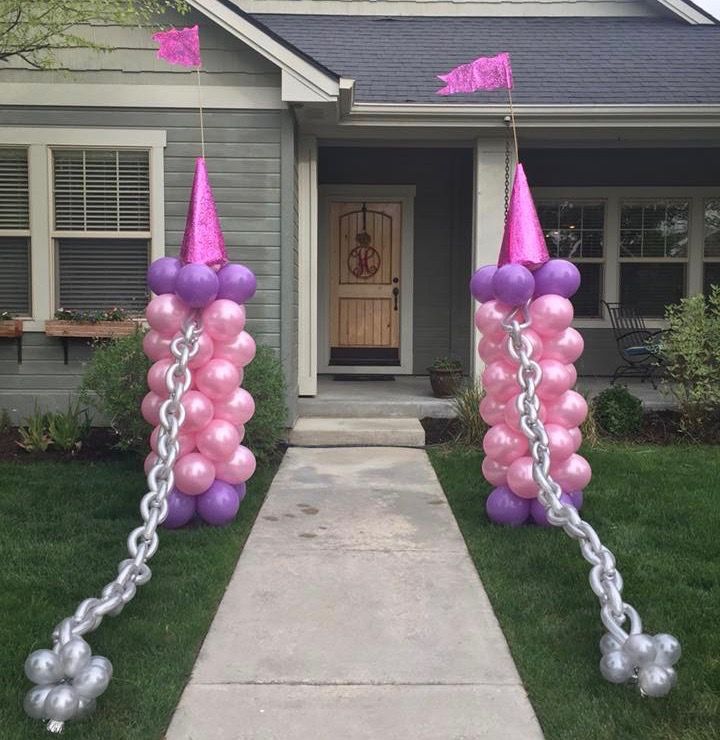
354, 613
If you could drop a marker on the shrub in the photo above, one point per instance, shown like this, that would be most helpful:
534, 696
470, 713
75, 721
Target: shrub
69, 429
33, 432
691, 348
264, 380
115, 383
470, 426
617, 412
590, 429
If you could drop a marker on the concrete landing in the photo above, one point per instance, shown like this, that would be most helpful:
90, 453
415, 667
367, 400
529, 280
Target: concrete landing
375, 432
355, 613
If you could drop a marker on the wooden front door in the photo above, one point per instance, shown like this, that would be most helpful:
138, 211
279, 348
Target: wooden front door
365, 275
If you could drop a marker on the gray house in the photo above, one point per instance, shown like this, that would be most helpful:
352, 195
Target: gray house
362, 200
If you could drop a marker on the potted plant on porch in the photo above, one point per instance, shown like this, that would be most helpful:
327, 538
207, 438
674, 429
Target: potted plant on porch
112, 322
445, 376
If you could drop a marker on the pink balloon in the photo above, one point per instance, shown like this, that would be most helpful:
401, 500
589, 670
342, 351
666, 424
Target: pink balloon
520, 478
155, 346
492, 349
206, 347
199, 411
239, 468
194, 474
566, 347
218, 440
186, 441
551, 314
150, 408
572, 474
494, 472
556, 379
562, 443
504, 444
156, 377
569, 410
238, 409
240, 350
224, 319
492, 409
218, 379
489, 317
511, 415
150, 460
500, 379
576, 435
166, 313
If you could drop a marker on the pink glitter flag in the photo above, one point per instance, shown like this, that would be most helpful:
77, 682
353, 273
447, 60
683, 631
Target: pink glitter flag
485, 73
179, 46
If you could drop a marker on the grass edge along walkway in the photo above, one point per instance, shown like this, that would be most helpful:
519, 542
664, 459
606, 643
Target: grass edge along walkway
657, 509
64, 527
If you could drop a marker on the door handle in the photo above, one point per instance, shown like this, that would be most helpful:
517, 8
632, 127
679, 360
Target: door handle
396, 293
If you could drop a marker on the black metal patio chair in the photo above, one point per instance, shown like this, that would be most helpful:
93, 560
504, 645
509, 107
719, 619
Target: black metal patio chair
639, 347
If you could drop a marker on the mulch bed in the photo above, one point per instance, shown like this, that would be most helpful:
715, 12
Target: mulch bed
98, 446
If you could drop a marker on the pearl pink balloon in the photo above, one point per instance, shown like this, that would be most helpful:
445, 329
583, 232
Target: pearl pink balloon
150, 408
166, 313
568, 410
206, 347
194, 474
566, 347
224, 319
494, 472
156, 377
186, 441
489, 317
218, 440
556, 379
155, 346
576, 435
239, 468
562, 443
520, 478
551, 314
572, 474
150, 460
504, 444
218, 379
492, 349
240, 351
511, 414
238, 409
500, 379
199, 410
492, 409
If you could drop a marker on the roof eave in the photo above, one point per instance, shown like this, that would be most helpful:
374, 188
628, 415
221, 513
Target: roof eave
689, 11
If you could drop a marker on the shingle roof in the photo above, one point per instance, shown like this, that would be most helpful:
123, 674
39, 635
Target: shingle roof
555, 60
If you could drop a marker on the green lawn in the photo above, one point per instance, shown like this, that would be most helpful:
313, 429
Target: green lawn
658, 510
62, 532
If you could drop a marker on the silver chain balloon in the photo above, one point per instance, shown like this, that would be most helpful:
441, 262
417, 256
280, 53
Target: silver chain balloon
69, 678
626, 655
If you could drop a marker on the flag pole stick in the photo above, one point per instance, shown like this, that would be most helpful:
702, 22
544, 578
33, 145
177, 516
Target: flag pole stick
200, 106
512, 122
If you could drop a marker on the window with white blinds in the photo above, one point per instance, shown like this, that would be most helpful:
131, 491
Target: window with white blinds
101, 203
14, 232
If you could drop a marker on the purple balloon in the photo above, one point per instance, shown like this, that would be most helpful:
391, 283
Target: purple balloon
558, 277
481, 284
181, 509
197, 285
237, 283
538, 513
504, 507
162, 274
219, 504
577, 499
513, 284
241, 489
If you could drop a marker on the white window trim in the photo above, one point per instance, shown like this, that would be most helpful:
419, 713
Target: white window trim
39, 142
613, 197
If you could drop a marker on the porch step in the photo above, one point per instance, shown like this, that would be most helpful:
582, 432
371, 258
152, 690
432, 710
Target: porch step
357, 432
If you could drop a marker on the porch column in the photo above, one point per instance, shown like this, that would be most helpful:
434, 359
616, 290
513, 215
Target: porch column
488, 218
307, 265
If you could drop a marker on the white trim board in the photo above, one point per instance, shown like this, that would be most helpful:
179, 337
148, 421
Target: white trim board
404, 194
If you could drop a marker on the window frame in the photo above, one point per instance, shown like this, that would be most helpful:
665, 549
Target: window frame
40, 141
707, 260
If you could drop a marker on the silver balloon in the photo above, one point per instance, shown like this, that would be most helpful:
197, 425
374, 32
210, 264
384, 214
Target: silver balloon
654, 680
616, 667
75, 655
673, 675
103, 663
44, 667
608, 643
34, 701
91, 681
61, 703
668, 649
640, 649
85, 707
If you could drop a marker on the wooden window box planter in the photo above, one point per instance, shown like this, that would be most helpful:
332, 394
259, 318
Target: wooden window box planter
89, 330
13, 329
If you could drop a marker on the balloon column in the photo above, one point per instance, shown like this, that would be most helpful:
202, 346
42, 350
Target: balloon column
532, 460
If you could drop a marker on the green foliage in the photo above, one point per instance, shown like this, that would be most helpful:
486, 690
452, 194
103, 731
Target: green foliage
617, 412
691, 348
35, 31
34, 435
590, 429
446, 363
470, 426
264, 380
92, 317
6, 316
70, 428
5, 421
115, 384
